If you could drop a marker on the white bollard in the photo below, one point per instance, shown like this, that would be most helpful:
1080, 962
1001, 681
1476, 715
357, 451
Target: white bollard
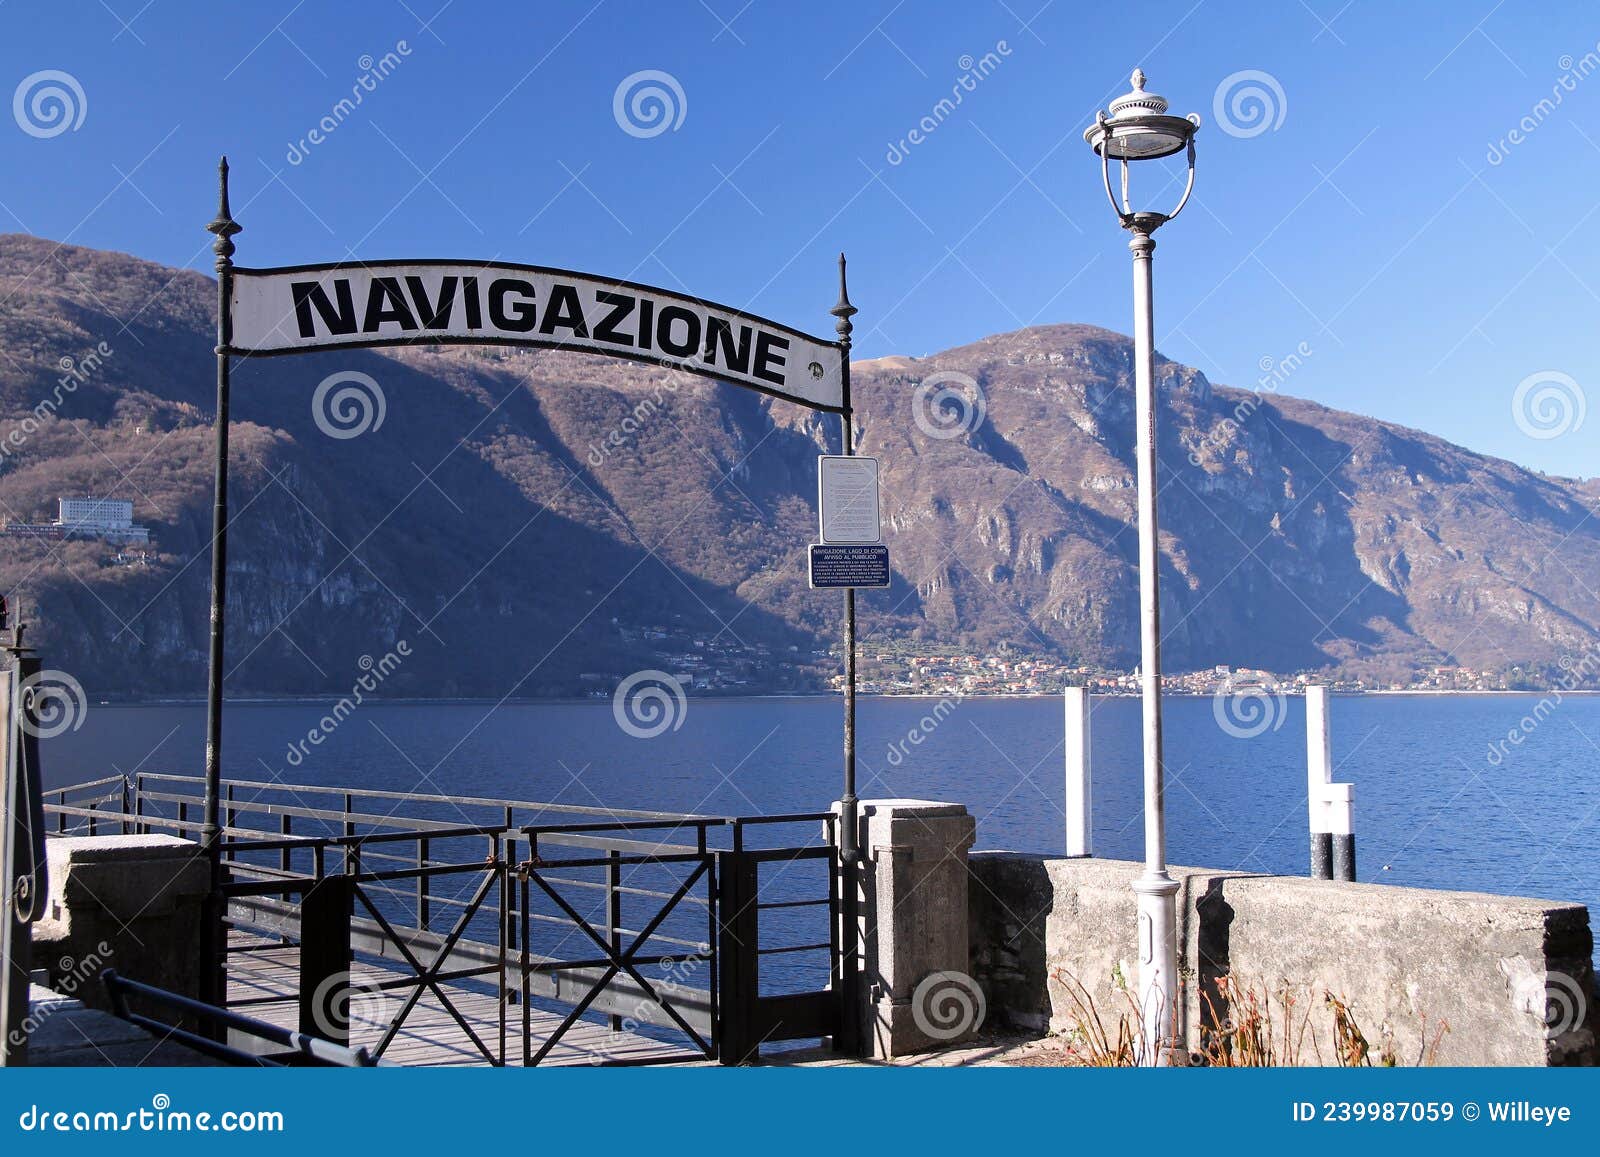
1331, 806
1080, 779
1319, 773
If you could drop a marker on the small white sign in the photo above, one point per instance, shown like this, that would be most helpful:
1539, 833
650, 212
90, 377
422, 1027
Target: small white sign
847, 498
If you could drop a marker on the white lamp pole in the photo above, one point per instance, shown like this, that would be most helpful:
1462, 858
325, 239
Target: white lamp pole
1137, 128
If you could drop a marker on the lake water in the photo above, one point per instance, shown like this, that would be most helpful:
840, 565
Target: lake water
1433, 808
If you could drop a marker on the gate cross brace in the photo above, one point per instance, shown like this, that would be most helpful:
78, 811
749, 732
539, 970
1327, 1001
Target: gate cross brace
428, 977
622, 961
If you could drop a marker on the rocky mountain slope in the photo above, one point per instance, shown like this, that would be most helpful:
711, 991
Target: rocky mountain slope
537, 523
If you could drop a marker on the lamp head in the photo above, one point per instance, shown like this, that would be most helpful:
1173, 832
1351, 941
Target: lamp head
1136, 126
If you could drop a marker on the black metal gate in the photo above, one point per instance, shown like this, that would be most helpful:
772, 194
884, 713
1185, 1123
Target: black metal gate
666, 890
754, 913
613, 938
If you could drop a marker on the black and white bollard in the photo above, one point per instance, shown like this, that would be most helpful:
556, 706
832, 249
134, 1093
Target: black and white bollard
1340, 809
1331, 806
1080, 780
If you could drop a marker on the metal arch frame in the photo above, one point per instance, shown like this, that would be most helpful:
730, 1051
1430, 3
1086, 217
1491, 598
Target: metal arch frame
426, 338
1146, 222
213, 982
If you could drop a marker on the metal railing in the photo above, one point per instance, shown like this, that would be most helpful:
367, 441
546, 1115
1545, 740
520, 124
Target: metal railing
566, 914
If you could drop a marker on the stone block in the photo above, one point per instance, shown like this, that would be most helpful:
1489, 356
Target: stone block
916, 992
132, 903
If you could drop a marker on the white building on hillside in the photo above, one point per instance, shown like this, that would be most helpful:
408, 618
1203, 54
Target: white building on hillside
107, 518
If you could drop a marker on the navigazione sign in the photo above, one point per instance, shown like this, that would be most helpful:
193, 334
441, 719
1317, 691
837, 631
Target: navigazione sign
301, 308
350, 305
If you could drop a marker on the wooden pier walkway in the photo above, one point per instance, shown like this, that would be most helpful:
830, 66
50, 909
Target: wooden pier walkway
430, 1036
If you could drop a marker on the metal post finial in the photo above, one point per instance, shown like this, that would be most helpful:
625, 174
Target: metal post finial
223, 225
843, 310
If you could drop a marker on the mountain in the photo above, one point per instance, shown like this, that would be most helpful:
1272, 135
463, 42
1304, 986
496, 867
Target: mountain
538, 523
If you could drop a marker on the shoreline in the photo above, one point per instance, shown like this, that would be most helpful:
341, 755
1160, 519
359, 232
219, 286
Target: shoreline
311, 700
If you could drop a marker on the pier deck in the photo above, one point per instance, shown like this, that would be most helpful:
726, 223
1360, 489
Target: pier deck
430, 1036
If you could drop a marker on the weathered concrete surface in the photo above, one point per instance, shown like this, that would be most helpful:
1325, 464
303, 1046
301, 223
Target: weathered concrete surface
126, 902
915, 991
1491, 966
62, 1032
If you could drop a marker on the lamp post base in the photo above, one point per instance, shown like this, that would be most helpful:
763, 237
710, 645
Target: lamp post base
1162, 1034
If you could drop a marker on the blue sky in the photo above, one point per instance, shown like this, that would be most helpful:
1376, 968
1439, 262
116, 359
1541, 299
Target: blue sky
1369, 222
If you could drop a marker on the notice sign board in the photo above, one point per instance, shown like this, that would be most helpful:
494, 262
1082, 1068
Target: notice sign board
847, 499
835, 565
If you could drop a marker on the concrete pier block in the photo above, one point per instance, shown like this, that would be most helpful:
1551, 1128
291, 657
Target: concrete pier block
126, 902
916, 993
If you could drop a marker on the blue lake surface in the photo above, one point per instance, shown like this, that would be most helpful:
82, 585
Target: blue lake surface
1433, 808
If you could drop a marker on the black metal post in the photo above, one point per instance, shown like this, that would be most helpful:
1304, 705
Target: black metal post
326, 910
213, 989
614, 912
848, 1040
22, 855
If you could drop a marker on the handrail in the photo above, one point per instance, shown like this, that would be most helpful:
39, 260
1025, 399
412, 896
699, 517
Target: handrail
306, 1049
85, 786
462, 800
281, 842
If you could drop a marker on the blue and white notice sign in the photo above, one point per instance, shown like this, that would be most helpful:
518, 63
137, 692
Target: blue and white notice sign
837, 565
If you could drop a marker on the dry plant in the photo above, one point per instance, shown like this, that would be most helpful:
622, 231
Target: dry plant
1089, 1042
1243, 1025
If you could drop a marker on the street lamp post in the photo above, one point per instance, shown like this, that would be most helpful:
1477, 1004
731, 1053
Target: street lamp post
1137, 128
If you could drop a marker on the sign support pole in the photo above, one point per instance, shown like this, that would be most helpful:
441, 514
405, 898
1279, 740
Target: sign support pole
849, 1039
23, 876
213, 985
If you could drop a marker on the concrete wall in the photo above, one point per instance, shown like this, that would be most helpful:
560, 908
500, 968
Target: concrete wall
1494, 967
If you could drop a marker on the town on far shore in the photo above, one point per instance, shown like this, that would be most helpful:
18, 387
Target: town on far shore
963, 674
728, 666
